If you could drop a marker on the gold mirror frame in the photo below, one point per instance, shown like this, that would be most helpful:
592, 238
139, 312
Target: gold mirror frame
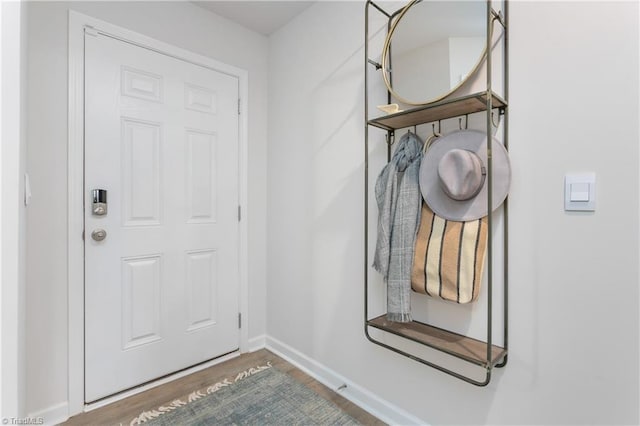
386, 48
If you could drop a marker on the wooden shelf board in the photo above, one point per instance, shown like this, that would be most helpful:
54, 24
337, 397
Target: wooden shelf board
438, 111
463, 347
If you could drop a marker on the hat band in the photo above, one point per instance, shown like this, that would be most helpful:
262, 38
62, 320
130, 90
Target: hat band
483, 173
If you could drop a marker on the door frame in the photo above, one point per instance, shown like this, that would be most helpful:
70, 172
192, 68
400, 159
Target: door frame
78, 23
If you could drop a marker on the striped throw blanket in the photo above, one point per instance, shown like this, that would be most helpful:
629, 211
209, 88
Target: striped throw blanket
449, 257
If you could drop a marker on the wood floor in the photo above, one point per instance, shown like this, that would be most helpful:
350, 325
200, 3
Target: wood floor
121, 412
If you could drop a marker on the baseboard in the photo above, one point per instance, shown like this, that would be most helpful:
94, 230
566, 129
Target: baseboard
360, 396
257, 343
53, 415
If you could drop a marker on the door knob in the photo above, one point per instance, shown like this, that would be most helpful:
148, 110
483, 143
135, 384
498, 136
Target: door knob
99, 234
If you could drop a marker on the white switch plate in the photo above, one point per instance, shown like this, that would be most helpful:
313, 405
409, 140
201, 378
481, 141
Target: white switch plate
582, 188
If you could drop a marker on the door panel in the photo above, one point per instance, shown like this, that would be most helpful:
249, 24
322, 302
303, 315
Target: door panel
201, 176
141, 279
161, 290
202, 288
140, 172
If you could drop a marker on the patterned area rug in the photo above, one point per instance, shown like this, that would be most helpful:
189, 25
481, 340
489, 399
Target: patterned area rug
258, 396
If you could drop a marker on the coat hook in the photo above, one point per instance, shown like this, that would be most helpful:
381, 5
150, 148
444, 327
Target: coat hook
391, 138
433, 129
493, 122
428, 142
466, 122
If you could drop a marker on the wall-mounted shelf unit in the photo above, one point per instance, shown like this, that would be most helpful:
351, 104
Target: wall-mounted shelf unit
484, 354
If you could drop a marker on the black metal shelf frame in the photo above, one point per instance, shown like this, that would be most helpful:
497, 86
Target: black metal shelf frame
486, 101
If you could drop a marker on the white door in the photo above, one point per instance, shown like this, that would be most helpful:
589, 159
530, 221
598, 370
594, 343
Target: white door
161, 289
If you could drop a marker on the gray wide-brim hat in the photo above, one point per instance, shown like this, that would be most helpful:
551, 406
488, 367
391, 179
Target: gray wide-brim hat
453, 175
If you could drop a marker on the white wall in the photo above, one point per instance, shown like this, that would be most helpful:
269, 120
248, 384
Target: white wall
574, 296
13, 214
181, 24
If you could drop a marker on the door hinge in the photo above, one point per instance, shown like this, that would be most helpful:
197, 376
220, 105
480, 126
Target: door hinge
239, 213
238, 106
89, 30
83, 235
239, 320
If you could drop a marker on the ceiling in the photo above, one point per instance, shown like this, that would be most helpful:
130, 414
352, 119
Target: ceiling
264, 16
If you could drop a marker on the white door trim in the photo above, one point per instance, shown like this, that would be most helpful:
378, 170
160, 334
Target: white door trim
12, 214
77, 24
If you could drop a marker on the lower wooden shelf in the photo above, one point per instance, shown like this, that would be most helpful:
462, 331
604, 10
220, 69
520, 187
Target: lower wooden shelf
463, 347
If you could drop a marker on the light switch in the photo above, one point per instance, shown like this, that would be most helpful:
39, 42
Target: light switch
580, 192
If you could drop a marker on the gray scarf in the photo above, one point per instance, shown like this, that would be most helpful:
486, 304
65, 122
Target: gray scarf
399, 200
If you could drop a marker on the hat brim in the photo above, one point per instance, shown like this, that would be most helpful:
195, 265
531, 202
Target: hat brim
475, 207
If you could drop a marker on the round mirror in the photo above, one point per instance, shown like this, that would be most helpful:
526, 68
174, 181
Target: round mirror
432, 48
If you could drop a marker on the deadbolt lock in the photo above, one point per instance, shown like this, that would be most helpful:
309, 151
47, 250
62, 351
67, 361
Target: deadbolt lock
99, 202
